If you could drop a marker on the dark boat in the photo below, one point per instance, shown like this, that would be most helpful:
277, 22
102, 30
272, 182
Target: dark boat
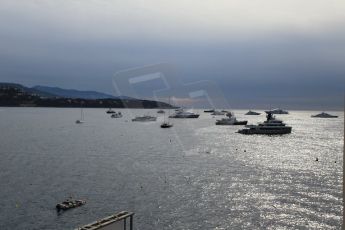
68, 204
166, 125
324, 115
209, 111
271, 126
110, 111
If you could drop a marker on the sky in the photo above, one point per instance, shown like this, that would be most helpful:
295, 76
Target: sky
241, 54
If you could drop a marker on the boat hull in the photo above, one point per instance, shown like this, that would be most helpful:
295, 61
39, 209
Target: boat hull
166, 126
185, 116
144, 120
330, 116
233, 123
252, 113
285, 130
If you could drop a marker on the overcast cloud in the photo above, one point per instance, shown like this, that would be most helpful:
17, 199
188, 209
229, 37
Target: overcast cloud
287, 53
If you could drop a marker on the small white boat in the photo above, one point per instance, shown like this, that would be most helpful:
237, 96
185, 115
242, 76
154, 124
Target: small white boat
324, 115
144, 118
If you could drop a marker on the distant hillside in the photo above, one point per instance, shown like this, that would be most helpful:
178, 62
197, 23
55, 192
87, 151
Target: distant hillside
28, 90
16, 95
72, 93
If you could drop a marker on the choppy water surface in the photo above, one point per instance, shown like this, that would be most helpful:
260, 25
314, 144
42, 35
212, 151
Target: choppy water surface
194, 176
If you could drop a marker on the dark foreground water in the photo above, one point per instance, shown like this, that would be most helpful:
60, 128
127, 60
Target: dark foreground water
194, 176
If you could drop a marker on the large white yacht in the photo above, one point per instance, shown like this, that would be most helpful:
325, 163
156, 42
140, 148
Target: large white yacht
230, 120
183, 114
269, 127
324, 115
277, 111
144, 118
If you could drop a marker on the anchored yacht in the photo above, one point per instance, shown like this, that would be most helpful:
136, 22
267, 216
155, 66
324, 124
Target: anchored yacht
116, 115
324, 115
269, 127
252, 113
230, 120
183, 114
218, 113
144, 118
277, 111
110, 111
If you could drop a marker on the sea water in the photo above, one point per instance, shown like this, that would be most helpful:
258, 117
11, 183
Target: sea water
195, 175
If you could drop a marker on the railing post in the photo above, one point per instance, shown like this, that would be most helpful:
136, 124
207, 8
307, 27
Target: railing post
131, 222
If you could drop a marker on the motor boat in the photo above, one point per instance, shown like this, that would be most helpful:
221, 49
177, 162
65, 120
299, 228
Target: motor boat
110, 111
69, 203
116, 115
277, 111
271, 126
230, 120
252, 113
209, 111
324, 115
183, 114
161, 111
218, 113
144, 118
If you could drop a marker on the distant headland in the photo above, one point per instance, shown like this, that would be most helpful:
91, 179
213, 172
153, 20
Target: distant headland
16, 95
